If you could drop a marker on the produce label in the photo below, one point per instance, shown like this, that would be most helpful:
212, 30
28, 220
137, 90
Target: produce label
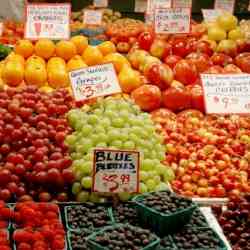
101, 3
157, 4
1, 28
226, 94
47, 21
210, 15
116, 171
227, 5
92, 17
175, 20
182, 3
94, 81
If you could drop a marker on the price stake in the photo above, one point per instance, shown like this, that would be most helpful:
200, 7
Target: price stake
116, 171
210, 15
175, 20
92, 17
227, 5
101, 3
182, 3
1, 28
94, 81
226, 94
156, 4
47, 21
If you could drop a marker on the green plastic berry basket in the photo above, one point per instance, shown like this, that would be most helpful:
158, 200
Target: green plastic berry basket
95, 246
221, 246
162, 224
69, 227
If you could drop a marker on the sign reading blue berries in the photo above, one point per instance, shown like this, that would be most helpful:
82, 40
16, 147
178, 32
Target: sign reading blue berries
116, 171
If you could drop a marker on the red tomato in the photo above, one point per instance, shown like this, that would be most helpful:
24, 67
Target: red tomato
221, 59
215, 70
243, 62
204, 47
200, 60
171, 60
145, 40
197, 97
185, 72
148, 97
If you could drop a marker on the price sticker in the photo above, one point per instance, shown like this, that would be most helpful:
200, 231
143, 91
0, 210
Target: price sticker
1, 28
226, 94
175, 20
210, 15
116, 171
182, 3
227, 5
47, 21
101, 3
94, 81
156, 4
92, 17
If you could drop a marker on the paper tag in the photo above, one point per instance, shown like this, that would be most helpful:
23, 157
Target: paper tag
94, 81
227, 5
116, 171
175, 20
1, 28
101, 3
182, 3
226, 94
47, 21
155, 4
210, 15
92, 17
140, 6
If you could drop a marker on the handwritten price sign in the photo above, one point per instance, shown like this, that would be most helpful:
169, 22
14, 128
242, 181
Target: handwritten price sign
47, 21
94, 81
226, 94
210, 15
182, 3
116, 171
176, 20
227, 5
156, 4
101, 3
92, 17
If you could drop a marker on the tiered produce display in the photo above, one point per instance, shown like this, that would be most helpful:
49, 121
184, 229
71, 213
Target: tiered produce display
47, 139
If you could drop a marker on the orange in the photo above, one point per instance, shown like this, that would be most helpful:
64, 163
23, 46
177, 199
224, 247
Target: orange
35, 74
58, 78
81, 43
117, 59
76, 62
24, 48
107, 48
35, 60
65, 50
13, 73
45, 48
15, 57
56, 62
92, 56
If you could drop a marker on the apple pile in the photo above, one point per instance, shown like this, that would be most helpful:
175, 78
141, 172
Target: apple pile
209, 154
116, 124
34, 159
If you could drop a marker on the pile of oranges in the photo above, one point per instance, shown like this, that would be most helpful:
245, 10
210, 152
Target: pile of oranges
46, 64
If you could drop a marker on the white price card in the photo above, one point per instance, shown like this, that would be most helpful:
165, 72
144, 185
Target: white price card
115, 171
226, 94
155, 4
182, 3
92, 17
140, 6
1, 28
47, 21
172, 21
210, 15
101, 3
94, 81
227, 5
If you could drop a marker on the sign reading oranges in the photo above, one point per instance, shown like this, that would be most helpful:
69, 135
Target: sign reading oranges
47, 21
94, 81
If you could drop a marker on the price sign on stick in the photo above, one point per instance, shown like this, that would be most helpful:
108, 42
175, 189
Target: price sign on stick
1, 28
226, 94
176, 20
156, 4
227, 5
210, 15
92, 17
182, 3
101, 3
94, 81
47, 21
115, 171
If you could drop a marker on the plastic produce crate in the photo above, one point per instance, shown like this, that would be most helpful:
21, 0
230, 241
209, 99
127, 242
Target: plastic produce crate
162, 224
95, 246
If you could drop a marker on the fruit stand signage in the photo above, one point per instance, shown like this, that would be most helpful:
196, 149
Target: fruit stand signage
156, 4
92, 17
94, 81
226, 94
47, 21
210, 15
175, 20
101, 3
182, 3
116, 171
227, 5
